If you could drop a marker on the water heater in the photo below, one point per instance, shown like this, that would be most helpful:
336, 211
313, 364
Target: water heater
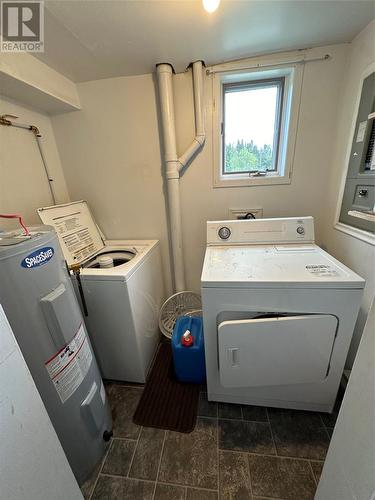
38, 298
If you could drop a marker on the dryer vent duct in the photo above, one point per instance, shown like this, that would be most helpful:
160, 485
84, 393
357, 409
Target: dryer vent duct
175, 165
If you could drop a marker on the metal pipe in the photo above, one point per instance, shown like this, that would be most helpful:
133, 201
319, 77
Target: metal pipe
269, 65
4, 120
49, 178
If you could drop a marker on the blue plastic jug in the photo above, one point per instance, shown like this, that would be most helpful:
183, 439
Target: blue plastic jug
188, 350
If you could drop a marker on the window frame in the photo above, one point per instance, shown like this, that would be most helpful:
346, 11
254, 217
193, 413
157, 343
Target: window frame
256, 84
293, 78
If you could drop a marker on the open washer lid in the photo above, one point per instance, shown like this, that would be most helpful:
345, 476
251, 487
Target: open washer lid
79, 236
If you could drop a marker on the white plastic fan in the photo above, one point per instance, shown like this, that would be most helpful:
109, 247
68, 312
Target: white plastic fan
180, 304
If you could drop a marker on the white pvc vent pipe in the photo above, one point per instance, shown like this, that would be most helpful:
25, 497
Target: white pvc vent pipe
174, 165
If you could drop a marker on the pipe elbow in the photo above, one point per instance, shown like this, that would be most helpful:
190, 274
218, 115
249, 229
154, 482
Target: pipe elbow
201, 139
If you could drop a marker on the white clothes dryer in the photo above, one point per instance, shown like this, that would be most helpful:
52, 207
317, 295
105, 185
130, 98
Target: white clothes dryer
278, 312
120, 287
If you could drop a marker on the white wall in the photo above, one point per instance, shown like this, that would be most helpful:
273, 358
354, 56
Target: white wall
110, 153
32, 462
23, 186
313, 155
357, 254
111, 158
348, 471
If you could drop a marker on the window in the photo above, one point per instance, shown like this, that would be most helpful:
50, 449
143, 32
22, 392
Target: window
255, 124
251, 126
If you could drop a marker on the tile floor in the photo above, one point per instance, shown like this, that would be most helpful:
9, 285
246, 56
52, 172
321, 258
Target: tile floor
235, 453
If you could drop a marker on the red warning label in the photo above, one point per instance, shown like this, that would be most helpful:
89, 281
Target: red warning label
68, 367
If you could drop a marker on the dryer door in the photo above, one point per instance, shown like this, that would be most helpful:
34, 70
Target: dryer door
275, 351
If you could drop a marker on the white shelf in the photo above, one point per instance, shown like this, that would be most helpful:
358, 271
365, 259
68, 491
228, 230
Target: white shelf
25, 79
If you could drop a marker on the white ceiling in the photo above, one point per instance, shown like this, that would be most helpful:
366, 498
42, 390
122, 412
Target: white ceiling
89, 40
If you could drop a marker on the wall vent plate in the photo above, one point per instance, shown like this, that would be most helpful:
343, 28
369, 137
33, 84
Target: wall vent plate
239, 213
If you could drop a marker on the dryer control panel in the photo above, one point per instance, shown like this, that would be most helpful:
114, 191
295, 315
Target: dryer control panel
261, 231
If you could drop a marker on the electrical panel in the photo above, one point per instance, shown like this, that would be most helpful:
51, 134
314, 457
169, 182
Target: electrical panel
358, 202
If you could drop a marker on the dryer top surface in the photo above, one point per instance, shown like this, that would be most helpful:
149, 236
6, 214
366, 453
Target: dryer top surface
275, 266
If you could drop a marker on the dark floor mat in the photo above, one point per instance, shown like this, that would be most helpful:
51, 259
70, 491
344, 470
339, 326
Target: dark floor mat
165, 402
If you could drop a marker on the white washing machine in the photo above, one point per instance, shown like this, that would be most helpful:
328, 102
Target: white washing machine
120, 287
278, 312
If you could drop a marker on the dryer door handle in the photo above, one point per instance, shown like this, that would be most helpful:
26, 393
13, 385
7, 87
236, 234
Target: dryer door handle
233, 355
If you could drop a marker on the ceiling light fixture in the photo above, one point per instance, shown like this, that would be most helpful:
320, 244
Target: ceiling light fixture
210, 5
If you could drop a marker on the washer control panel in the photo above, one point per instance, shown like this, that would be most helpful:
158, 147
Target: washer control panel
224, 232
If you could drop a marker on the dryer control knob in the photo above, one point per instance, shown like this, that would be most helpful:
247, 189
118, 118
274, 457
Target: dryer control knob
224, 233
300, 230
